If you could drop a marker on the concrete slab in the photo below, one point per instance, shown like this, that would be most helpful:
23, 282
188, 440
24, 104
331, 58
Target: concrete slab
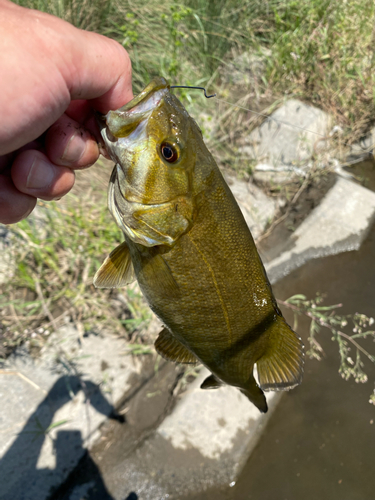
52, 406
225, 412
289, 136
257, 208
205, 441
339, 224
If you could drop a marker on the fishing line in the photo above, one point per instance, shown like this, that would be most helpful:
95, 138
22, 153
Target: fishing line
270, 118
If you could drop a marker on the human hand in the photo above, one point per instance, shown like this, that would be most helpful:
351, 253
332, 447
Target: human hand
53, 78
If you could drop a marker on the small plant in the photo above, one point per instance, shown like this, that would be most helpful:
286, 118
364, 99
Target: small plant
129, 30
347, 330
41, 431
139, 350
173, 20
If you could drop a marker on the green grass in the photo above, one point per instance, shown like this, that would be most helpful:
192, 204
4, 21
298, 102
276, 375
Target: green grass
324, 50
56, 256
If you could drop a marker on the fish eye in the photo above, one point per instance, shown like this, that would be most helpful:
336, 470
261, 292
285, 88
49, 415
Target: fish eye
169, 152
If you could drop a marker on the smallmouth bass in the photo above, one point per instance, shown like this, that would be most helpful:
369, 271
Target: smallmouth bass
189, 247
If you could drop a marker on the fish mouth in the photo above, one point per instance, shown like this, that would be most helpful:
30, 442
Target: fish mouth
123, 121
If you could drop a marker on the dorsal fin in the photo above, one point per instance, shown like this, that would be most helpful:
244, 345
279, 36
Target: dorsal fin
117, 269
170, 348
281, 367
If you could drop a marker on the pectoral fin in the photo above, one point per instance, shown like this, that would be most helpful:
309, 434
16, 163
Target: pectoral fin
170, 348
211, 382
117, 269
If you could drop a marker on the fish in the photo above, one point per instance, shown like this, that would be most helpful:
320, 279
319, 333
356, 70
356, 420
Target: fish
187, 244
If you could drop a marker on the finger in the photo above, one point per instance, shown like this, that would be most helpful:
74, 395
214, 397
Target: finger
34, 174
68, 144
83, 113
102, 72
14, 206
5, 161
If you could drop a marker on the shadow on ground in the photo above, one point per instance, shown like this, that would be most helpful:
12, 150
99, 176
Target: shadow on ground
25, 471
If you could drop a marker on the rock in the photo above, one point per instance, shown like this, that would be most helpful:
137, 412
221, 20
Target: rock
362, 150
257, 208
269, 175
289, 136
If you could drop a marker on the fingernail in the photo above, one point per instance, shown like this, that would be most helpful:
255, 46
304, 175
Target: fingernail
40, 175
75, 148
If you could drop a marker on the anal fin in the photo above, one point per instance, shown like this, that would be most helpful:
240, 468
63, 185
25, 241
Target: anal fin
281, 366
172, 350
117, 269
211, 382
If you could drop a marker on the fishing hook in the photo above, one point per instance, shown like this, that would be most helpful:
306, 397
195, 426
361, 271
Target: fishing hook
188, 87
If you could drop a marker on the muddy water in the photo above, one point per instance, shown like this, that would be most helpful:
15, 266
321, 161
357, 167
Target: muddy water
320, 443
364, 173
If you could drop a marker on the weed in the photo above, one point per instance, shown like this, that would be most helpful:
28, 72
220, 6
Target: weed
41, 431
188, 375
139, 350
324, 50
347, 330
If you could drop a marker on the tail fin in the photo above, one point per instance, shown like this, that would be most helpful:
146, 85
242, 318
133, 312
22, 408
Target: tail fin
281, 366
